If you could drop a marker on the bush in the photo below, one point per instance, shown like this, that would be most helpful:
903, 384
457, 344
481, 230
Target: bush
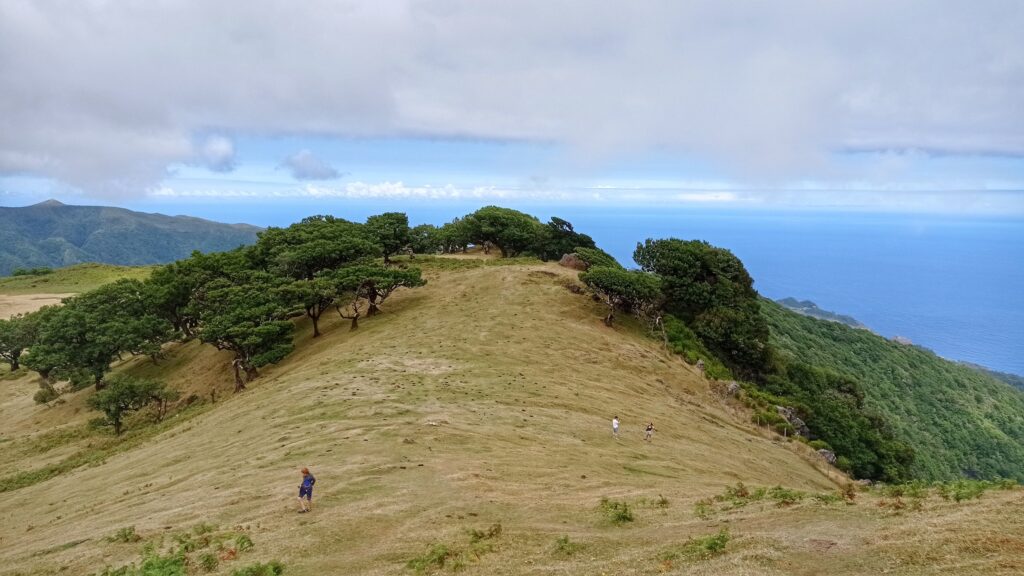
435, 557
785, 496
46, 393
819, 445
126, 535
698, 548
565, 547
243, 543
208, 562
617, 512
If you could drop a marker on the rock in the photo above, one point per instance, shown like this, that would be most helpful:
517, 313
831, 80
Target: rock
732, 388
828, 455
800, 426
902, 340
572, 261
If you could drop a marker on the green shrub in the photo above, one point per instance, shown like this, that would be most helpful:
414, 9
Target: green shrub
617, 512
435, 557
46, 393
243, 543
208, 562
698, 548
785, 496
566, 547
126, 535
272, 568
152, 565
480, 535
819, 445
203, 528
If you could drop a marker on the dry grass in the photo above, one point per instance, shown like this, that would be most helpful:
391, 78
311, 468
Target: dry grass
484, 397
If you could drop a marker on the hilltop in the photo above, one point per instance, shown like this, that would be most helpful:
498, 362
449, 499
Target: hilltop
483, 398
52, 234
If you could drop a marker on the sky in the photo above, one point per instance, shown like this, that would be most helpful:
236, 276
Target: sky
186, 106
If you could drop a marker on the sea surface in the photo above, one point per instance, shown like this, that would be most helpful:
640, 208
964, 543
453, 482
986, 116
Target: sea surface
952, 284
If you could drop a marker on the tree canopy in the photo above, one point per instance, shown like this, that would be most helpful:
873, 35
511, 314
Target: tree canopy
511, 231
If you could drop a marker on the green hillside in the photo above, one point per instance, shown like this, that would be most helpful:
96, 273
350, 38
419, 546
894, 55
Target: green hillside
959, 421
71, 279
51, 234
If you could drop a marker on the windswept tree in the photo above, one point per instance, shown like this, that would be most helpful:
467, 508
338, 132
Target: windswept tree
512, 231
125, 394
390, 231
93, 329
379, 283
631, 291
247, 317
558, 237
16, 335
425, 239
710, 290
454, 236
315, 296
315, 244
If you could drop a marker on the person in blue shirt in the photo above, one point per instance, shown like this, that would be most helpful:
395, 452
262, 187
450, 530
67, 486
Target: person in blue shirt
306, 491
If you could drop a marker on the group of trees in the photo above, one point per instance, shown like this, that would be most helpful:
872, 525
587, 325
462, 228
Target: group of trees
702, 301
241, 301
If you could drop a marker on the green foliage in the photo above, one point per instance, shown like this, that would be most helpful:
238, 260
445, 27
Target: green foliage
682, 341
958, 421
152, 565
616, 511
511, 231
623, 290
125, 394
91, 330
17, 334
126, 535
425, 239
558, 237
72, 279
390, 231
701, 548
709, 289
454, 236
315, 244
208, 562
243, 543
594, 257
434, 557
272, 568
566, 547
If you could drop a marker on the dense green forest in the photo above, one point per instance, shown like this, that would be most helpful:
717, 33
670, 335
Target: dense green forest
51, 234
959, 421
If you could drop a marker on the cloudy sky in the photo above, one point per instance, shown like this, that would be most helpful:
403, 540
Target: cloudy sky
867, 105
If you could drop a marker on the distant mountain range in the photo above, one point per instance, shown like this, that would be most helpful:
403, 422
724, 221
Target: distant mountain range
808, 308
52, 234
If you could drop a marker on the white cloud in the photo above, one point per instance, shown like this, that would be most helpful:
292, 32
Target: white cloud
106, 95
218, 154
304, 165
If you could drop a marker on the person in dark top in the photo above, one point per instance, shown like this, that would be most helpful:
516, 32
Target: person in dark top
649, 431
306, 490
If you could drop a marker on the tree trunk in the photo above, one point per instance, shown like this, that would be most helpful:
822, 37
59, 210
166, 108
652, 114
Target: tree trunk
117, 427
355, 323
239, 384
609, 319
316, 325
14, 361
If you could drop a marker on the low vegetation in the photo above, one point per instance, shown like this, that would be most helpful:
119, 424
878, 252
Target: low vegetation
456, 557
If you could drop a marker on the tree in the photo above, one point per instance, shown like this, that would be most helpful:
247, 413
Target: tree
93, 329
391, 232
709, 289
378, 283
248, 317
16, 335
558, 237
594, 257
315, 297
425, 239
623, 290
513, 232
311, 246
454, 236
125, 394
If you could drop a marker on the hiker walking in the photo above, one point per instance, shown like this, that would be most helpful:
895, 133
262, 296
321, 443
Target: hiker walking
649, 431
306, 490
615, 427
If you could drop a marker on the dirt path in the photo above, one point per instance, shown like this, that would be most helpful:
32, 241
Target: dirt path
11, 304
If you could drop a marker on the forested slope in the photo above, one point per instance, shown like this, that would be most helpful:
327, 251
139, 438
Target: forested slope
51, 234
958, 420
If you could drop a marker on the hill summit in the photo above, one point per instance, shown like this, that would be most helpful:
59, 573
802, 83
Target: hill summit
53, 234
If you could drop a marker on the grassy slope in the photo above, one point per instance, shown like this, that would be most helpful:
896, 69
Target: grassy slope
72, 279
483, 397
958, 420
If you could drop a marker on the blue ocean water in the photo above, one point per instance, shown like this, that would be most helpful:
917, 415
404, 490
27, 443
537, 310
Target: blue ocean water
952, 284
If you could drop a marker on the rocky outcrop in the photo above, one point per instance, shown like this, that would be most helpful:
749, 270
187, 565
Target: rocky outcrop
828, 455
732, 388
572, 261
790, 415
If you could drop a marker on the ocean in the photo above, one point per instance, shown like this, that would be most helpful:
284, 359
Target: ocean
952, 284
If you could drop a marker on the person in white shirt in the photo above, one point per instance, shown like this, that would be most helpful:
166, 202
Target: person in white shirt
615, 427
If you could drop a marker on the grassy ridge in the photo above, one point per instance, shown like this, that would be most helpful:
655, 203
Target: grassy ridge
959, 421
77, 278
